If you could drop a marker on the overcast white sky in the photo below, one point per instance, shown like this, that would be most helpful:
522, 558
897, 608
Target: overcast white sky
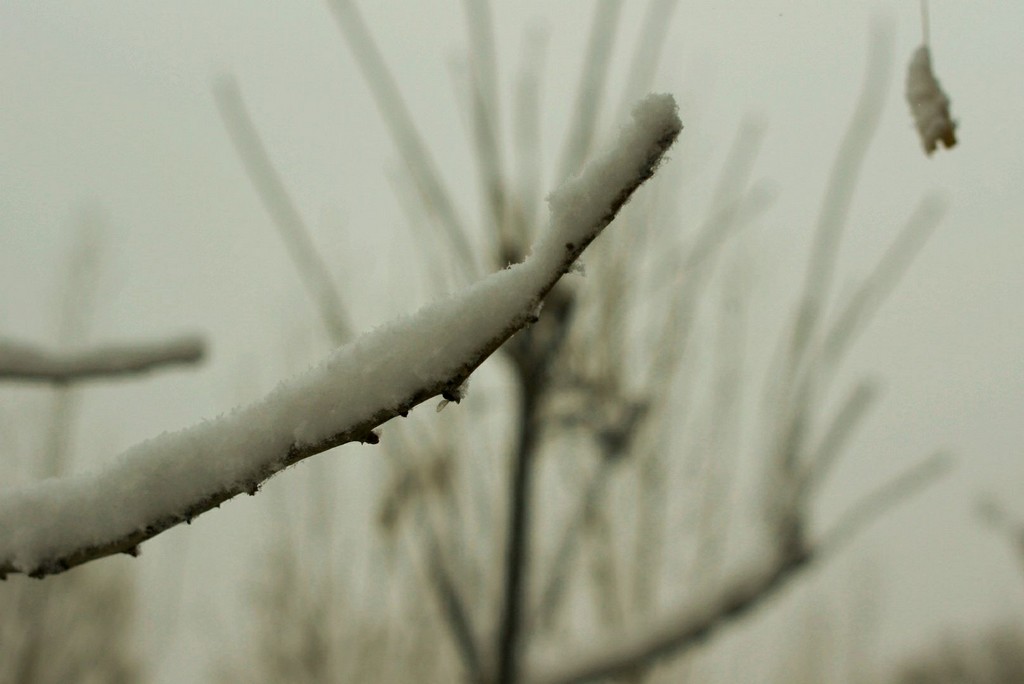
109, 103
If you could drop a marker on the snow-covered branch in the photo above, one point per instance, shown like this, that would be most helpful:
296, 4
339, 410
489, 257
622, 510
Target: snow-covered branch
26, 362
52, 525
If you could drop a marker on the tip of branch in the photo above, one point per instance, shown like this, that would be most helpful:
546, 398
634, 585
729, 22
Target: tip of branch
583, 206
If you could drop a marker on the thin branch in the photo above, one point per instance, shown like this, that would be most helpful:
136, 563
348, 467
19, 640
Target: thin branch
616, 442
77, 309
529, 167
484, 58
412, 489
592, 85
517, 557
402, 127
883, 499
26, 362
744, 592
839, 335
268, 184
720, 458
882, 280
486, 122
841, 428
457, 618
657, 20
560, 569
492, 175
839, 191
50, 526
799, 382
635, 652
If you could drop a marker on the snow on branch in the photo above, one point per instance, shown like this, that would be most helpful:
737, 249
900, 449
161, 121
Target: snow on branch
26, 362
52, 525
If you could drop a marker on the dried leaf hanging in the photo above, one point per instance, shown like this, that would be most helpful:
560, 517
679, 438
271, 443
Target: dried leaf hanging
928, 103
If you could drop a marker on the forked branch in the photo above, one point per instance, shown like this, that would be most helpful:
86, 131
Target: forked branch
741, 593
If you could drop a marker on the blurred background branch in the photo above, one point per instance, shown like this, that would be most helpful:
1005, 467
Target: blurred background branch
20, 361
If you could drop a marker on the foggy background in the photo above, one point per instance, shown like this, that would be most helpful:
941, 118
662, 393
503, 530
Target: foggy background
107, 108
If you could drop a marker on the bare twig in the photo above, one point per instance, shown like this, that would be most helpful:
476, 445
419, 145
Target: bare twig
720, 455
394, 112
26, 362
841, 428
77, 310
883, 499
881, 281
594, 77
486, 122
839, 335
839, 191
410, 491
657, 20
560, 567
742, 593
802, 378
312, 269
457, 618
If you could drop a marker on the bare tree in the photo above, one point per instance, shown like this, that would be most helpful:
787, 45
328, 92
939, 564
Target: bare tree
582, 503
604, 378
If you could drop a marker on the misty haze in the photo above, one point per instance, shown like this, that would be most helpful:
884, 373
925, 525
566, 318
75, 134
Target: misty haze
511, 343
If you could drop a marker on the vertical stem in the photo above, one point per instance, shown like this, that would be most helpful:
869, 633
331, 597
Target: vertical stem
509, 644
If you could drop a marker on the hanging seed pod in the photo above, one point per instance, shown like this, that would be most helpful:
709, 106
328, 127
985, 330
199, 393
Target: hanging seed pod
928, 104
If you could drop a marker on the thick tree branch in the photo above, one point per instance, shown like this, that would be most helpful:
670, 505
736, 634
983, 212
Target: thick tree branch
25, 362
53, 525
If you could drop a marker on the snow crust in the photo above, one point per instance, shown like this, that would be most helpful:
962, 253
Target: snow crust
581, 202
167, 474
